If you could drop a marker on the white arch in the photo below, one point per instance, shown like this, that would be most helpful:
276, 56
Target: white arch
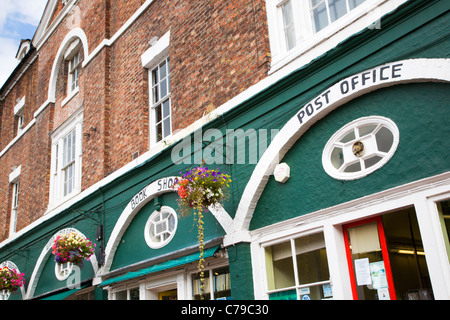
43, 258
151, 191
406, 71
76, 33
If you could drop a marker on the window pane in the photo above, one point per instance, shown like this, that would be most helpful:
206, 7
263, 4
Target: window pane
337, 9
280, 268
320, 17
444, 215
312, 265
163, 88
166, 108
167, 128
354, 3
121, 295
134, 294
288, 20
196, 286
385, 139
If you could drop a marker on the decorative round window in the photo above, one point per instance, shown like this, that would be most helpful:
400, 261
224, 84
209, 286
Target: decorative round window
161, 227
63, 270
360, 148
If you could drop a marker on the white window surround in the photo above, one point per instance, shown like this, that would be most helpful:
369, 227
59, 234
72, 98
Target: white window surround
14, 179
150, 59
422, 195
161, 227
19, 113
310, 44
75, 122
360, 147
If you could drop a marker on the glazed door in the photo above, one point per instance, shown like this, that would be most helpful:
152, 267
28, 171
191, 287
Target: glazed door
368, 261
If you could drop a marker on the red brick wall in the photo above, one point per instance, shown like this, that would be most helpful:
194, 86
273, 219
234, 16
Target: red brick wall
217, 50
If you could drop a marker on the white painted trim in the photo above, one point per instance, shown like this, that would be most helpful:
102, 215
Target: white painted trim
14, 176
45, 253
136, 203
19, 106
348, 155
74, 34
156, 52
147, 227
415, 70
422, 194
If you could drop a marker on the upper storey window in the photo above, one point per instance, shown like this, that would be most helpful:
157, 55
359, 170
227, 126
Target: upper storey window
301, 27
66, 159
74, 72
325, 12
156, 60
161, 108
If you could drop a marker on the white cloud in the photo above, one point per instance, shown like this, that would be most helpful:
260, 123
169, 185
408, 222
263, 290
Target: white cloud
8, 62
14, 16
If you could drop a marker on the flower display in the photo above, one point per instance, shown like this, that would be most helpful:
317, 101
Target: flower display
201, 187
72, 247
10, 279
198, 189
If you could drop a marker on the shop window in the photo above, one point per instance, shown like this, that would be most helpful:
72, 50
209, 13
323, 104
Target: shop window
360, 148
161, 227
444, 217
218, 279
128, 294
304, 277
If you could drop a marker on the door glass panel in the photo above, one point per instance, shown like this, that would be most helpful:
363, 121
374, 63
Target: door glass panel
368, 264
407, 256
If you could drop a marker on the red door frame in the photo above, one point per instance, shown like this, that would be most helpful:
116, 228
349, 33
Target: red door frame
384, 252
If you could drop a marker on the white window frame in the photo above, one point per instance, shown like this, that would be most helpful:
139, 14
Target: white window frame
291, 240
156, 215
422, 195
19, 113
210, 284
74, 73
57, 194
14, 179
74, 65
157, 53
310, 44
369, 142
157, 117
15, 206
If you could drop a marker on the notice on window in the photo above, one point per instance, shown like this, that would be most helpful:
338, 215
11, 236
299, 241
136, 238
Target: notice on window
378, 273
362, 271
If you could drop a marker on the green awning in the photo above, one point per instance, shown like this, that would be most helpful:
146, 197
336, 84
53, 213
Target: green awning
161, 266
64, 294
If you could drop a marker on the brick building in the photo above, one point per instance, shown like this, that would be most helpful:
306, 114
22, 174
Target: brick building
107, 94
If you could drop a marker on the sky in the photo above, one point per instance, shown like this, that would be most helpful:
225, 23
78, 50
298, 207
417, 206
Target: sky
18, 20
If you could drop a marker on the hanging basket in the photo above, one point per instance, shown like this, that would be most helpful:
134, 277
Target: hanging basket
10, 279
73, 248
198, 189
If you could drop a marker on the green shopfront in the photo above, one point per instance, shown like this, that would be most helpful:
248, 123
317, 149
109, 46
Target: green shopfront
349, 200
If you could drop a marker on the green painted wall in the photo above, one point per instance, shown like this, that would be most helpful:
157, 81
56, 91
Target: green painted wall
421, 113
133, 248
